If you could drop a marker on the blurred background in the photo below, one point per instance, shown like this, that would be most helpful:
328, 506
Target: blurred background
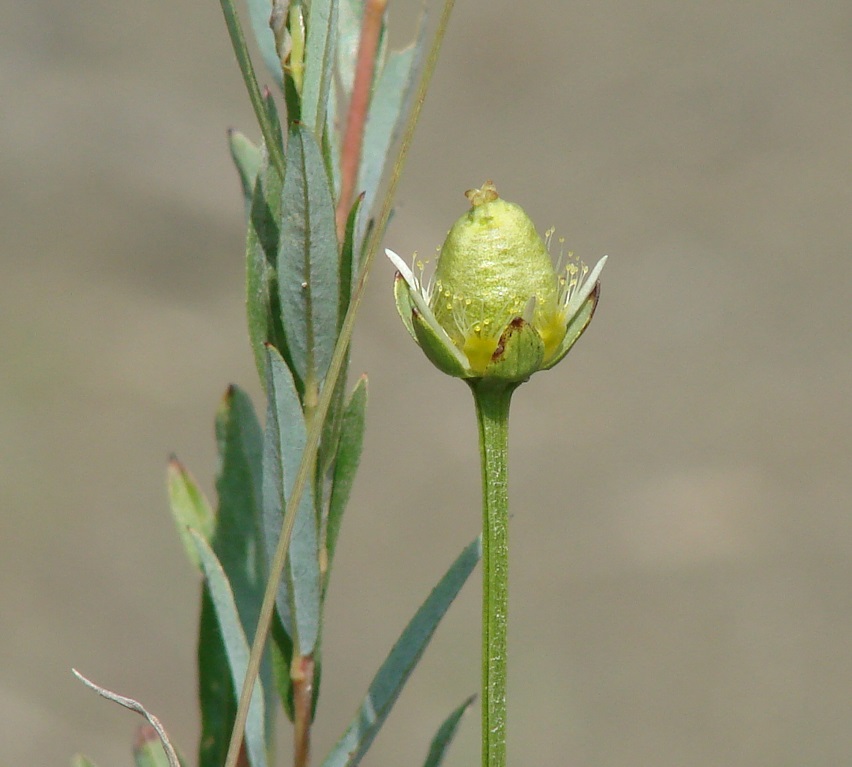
682, 529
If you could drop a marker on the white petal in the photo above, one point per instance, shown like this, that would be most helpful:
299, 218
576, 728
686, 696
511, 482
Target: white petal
403, 268
585, 291
416, 293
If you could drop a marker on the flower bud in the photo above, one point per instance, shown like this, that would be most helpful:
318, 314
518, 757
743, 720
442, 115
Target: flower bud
496, 307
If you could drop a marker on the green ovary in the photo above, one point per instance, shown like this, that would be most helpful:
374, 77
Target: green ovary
491, 263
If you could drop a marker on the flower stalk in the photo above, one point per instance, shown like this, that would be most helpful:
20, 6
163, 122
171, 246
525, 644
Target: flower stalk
495, 311
492, 414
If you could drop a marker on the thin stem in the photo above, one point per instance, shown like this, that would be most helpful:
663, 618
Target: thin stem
492, 414
359, 103
338, 358
303, 693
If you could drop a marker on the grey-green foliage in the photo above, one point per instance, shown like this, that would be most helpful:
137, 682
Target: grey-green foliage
300, 275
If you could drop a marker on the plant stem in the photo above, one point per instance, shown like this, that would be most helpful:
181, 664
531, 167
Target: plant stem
492, 414
359, 103
338, 358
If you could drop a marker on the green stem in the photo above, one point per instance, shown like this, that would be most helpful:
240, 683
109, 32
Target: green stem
492, 413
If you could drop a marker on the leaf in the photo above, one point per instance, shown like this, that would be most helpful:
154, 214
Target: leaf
236, 648
319, 58
78, 760
216, 696
445, 734
350, 21
259, 13
263, 306
394, 672
190, 507
308, 278
259, 104
239, 539
392, 92
247, 158
298, 598
346, 462
350, 256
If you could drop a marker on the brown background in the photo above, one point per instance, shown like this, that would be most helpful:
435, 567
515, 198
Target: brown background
682, 535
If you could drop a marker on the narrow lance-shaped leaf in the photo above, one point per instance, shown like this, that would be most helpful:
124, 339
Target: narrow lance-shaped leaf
394, 87
346, 461
263, 305
259, 13
445, 734
394, 672
247, 157
238, 540
237, 649
190, 507
308, 278
261, 108
298, 599
350, 256
319, 59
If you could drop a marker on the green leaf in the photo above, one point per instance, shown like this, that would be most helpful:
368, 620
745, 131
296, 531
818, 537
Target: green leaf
259, 13
346, 462
394, 672
190, 507
308, 277
262, 302
238, 539
216, 697
78, 760
350, 256
445, 734
319, 58
261, 110
350, 20
298, 598
247, 158
236, 648
388, 106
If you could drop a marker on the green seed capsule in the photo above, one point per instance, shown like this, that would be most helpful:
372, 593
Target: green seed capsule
496, 307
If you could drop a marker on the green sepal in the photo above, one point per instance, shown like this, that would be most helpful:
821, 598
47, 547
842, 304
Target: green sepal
440, 354
404, 306
519, 353
579, 322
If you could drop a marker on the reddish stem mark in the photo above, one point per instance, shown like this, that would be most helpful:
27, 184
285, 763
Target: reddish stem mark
353, 138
